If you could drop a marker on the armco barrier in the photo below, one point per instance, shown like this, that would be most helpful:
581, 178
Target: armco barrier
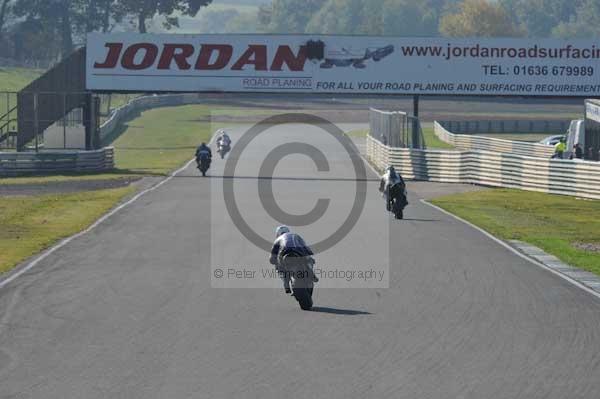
470, 142
17, 163
575, 178
548, 127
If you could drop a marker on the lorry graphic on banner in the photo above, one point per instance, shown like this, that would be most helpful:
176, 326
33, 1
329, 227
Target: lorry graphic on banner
355, 57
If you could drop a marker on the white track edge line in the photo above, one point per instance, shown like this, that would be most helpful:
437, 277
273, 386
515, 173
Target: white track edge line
515, 251
28, 266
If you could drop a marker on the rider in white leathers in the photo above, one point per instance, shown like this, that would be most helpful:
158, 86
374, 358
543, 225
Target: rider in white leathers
288, 244
224, 139
389, 178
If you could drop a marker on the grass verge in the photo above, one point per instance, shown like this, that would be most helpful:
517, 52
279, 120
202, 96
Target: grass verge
554, 223
432, 141
157, 142
358, 133
32, 224
14, 79
162, 139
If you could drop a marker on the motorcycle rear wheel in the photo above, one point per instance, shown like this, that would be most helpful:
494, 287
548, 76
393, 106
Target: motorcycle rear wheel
304, 298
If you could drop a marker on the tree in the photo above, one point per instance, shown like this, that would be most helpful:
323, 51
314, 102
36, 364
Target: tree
346, 17
245, 22
289, 16
97, 15
216, 21
540, 17
479, 18
265, 15
4, 8
585, 24
411, 17
55, 16
30, 41
147, 9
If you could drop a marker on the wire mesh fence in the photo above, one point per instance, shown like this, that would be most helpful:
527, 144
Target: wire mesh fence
48, 120
396, 129
8, 120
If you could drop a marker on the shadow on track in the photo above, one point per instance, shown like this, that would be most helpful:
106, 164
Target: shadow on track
346, 312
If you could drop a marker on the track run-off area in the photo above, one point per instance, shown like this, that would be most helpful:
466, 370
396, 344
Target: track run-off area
132, 308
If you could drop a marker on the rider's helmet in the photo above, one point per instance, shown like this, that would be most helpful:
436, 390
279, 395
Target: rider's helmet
281, 230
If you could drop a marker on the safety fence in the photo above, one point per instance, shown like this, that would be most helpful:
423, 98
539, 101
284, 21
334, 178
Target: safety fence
566, 177
18, 163
470, 142
395, 128
514, 126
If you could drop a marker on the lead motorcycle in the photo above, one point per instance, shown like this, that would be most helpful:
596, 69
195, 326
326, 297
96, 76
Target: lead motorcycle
300, 272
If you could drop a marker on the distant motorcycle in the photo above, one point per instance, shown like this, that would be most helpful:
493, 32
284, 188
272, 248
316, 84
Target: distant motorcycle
223, 149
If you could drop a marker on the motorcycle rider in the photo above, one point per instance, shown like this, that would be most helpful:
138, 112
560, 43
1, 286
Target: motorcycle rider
289, 245
390, 178
224, 139
203, 152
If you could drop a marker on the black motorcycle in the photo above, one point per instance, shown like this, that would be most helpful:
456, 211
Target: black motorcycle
203, 163
300, 271
397, 200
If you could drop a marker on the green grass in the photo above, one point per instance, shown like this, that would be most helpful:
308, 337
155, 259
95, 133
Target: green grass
14, 79
32, 223
358, 133
552, 222
162, 139
65, 177
432, 141
156, 142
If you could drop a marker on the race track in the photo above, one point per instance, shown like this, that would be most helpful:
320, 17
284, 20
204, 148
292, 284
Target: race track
128, 311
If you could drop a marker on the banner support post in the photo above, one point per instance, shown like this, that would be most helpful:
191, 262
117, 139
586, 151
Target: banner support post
415, 127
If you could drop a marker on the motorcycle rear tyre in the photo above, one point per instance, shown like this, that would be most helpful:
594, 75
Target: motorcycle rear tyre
304, 298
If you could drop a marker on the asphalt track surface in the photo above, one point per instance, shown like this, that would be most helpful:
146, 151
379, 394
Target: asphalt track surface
128, 311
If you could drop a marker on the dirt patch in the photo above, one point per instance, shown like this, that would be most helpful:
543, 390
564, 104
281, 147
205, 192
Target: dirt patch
587, 246
64, 186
